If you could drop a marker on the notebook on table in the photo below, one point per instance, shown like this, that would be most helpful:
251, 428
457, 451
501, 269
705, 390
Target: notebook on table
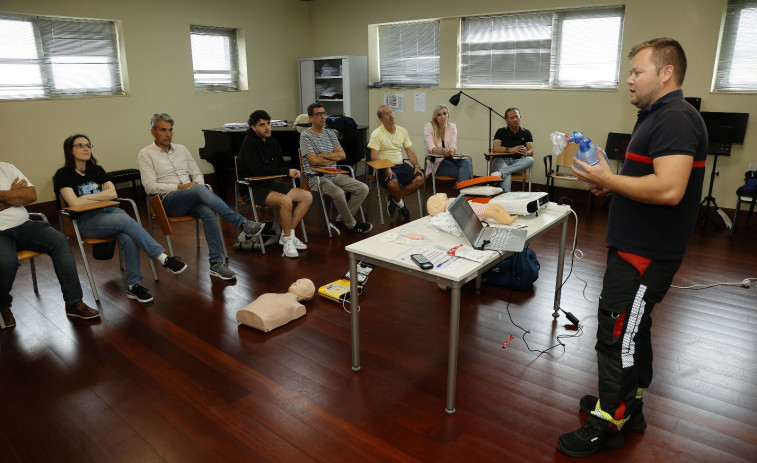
480, 237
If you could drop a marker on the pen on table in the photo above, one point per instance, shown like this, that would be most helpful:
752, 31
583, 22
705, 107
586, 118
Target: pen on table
444, 261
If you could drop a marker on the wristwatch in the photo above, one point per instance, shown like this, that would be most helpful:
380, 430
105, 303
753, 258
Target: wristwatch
417, 166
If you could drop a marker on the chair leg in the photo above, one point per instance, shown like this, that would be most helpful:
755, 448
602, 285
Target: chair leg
34, 275
86, 262
197, 232
223, 243
255, 216
420, 202
170, 248
325, 213
736, 214
380, 206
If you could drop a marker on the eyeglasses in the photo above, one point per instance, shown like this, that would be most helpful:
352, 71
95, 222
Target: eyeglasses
321, 113
82, 145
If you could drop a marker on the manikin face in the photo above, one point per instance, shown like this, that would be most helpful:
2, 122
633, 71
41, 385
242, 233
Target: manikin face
82, 149
644, 82
262, 128
303, 288
163, 134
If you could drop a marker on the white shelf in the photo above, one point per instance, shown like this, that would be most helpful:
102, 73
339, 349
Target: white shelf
351, 84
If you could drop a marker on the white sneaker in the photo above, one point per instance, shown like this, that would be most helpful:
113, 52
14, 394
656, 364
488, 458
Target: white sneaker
289, 248
297, 243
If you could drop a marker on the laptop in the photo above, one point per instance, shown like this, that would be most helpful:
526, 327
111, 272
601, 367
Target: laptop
480, 237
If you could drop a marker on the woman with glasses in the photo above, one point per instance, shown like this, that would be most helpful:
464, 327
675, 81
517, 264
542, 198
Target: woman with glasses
80, 181
441, 147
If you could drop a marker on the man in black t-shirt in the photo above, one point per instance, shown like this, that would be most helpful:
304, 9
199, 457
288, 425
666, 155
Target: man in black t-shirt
652, 217
517, 143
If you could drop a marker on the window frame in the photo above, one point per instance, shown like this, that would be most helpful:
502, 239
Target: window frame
233, 82
729, 57
412, 79
542, 75
53, 36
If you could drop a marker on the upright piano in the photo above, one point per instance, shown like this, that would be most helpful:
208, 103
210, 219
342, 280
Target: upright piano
222, 145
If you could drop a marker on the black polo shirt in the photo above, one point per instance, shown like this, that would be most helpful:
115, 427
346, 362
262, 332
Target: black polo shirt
668, 126
508, 139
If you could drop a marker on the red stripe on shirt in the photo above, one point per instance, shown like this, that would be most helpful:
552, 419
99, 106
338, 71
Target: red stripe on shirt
638, 158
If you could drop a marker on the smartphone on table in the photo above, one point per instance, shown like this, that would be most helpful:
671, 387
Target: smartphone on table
421, 261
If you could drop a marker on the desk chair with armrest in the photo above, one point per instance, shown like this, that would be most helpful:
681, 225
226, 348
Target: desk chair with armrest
26, 254
68, 216
523, 177
375, 168
239, 200
156, 212
430, 159
745, 200
320, 171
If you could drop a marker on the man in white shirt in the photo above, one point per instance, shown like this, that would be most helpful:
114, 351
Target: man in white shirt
17, 232
170, 171
401, 180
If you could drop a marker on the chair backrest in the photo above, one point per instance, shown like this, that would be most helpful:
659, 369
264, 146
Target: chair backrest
565, 158
159, 212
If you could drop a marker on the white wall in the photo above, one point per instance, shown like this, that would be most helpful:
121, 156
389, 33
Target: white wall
696, 24
159, 66
277, 33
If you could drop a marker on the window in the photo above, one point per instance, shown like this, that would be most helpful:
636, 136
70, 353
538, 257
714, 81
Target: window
737, 57
409, 53
214, 58
43, 57
544, 49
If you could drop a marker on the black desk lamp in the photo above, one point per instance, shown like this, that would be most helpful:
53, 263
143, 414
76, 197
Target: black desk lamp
455, 99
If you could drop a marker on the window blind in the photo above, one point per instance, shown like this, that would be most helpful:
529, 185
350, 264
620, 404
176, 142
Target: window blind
215, 58
409, 53
737, 58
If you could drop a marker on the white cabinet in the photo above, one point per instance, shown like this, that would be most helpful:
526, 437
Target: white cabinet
339, 83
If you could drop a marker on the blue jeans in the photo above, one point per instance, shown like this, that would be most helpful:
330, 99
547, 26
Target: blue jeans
508, 166
460, 168
198, 201
37, 236
114, 221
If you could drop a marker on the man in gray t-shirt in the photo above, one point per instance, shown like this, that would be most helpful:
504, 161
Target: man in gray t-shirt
319, 147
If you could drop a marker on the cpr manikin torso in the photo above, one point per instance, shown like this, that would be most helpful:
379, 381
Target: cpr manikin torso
271, 310
439, 202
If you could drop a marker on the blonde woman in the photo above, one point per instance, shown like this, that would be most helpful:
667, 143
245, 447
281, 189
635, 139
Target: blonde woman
441, 146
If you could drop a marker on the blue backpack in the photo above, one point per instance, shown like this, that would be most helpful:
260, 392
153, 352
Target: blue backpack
519, 271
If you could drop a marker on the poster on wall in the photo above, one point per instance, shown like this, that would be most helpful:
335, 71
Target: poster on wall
420, 102
395, 101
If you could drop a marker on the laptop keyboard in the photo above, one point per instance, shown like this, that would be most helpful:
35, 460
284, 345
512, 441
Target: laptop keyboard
505, 240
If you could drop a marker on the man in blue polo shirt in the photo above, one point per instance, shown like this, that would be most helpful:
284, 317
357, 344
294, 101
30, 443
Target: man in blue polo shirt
652, 217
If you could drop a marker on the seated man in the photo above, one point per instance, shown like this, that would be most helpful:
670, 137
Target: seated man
516, 141
401, 180
260, 156
17, 232
170, 171
320, 147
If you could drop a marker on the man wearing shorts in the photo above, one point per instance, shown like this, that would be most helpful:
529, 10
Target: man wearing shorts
260, 156
402, 179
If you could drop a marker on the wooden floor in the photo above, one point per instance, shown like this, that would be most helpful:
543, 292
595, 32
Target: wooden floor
178, 380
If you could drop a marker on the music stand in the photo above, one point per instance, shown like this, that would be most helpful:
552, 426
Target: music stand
709, 199
455, 99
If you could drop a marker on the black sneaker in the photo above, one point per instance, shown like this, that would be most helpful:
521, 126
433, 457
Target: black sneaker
335, 226
405, 212
636, 423
139, 293
174, 265
7, 319
361, 227
590, 438
391, 208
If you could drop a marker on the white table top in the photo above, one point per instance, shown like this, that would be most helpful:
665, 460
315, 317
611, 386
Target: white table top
383, 249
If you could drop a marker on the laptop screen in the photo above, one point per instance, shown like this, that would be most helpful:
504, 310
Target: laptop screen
466, 219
